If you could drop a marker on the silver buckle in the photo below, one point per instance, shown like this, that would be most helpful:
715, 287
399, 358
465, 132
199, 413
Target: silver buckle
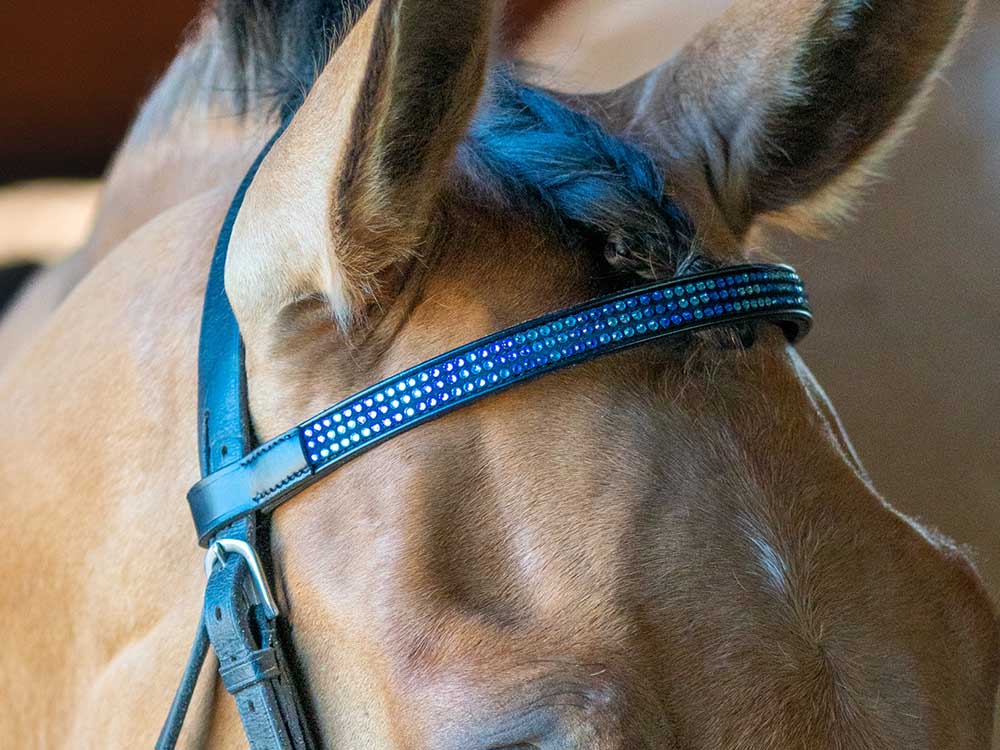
217, 554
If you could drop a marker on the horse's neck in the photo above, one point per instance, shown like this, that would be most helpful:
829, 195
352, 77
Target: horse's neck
189, 137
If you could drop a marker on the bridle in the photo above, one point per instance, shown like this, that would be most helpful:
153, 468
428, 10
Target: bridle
242, 482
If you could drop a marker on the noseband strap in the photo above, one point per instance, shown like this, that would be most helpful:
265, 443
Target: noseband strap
241, 486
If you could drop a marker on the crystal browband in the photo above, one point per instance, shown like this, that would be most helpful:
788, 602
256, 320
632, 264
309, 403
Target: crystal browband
279, 469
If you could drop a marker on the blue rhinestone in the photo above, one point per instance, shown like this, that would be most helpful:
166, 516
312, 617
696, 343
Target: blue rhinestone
518, 369
676, 319
532, 335
605, 338
629, 332
698, 314
683, 303
544, 331
657, 296
653, 325
644, 300
631, 303
592, 343
687, 316
519, 339
668, 294
505, 373
665, 322
616, 336
637, 315
640, 329
444, 397
472, 356
493, 377
481, 382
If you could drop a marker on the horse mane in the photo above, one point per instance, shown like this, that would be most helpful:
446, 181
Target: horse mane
525, 147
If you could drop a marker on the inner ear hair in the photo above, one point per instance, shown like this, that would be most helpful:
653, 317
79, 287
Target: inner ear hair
426, 72
781, 110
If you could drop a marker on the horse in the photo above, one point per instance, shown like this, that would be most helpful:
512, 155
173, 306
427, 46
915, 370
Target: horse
673, 546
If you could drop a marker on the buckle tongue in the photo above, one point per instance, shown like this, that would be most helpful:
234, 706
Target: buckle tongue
217, 553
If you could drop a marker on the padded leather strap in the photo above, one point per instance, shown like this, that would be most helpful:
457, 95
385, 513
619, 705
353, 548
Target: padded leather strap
224, 433
252, 659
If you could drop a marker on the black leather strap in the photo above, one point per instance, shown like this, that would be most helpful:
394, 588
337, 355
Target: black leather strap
224, 431
252, 659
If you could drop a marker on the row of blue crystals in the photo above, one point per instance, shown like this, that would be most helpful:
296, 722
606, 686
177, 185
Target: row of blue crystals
506, 359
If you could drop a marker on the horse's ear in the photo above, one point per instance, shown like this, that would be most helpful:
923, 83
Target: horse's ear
780, 110
347, 193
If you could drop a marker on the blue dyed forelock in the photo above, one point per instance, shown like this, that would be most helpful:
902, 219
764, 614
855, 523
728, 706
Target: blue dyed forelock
540, 152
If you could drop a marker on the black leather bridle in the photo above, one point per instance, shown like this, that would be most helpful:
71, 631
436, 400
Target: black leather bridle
243, 482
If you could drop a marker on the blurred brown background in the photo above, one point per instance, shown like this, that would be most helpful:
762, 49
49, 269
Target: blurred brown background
907, 302
72, 75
